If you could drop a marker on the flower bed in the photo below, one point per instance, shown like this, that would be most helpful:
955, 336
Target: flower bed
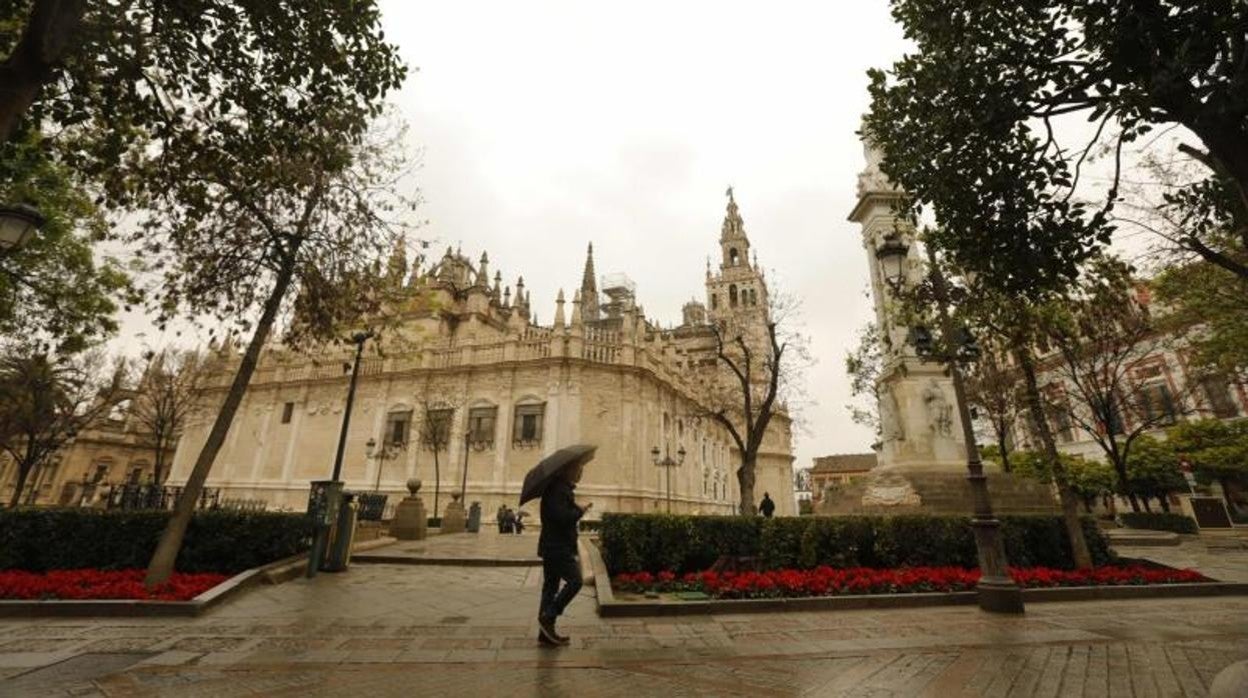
828, 581
102, 584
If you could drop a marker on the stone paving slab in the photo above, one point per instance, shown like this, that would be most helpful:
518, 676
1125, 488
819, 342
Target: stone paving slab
397, 630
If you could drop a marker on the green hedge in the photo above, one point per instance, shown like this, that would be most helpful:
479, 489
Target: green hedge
216, 541
656, 542
1160, 521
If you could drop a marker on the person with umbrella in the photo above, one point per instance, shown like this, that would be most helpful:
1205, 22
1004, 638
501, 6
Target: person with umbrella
554, 480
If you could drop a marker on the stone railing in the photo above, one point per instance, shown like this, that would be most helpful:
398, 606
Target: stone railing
595, 345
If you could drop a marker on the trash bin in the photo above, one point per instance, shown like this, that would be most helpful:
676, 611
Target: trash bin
343, 535
474, 518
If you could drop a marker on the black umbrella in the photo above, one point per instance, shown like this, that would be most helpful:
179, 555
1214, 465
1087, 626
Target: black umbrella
539, 477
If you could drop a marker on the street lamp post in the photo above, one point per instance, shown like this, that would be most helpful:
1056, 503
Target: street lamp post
332, 490
667, 464
18, 225
996, 590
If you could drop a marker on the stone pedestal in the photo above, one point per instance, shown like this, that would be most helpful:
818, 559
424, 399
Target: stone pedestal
410, 521
892, 490
454, 519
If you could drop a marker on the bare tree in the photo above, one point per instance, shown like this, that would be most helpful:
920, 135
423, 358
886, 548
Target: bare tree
863, 367
993, 389
1111, 365
48, 400
759, 370
166, 394
306, 234
437, 414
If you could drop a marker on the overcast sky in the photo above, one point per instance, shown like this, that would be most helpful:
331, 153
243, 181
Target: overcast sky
548, 125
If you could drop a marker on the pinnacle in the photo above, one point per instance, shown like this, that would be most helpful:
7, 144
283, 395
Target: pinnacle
589, 278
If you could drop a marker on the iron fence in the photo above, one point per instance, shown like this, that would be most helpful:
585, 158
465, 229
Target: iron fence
129, 497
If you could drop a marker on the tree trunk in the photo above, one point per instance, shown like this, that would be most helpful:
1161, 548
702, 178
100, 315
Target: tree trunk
1228, 146
1226, 495
1070, 503
1147, 508
161, 565
1165, 502
745, 479
34, 60
437, 481
1134, 501
19, 486
1001, 448
158, 463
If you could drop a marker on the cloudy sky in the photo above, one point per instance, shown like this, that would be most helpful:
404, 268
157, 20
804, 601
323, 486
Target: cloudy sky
548, 125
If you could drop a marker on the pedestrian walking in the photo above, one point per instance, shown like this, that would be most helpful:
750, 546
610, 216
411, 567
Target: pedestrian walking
767, 507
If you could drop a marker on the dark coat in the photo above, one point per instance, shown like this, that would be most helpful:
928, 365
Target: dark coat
560, 516
767, 507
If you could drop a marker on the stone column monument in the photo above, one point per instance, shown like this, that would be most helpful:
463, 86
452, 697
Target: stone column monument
921, 454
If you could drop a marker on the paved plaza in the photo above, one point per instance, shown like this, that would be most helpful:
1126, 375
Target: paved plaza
389, 629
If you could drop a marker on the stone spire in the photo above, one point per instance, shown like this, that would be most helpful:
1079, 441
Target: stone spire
396, 268
734, 226
559, 310
483, 271
498, 285
577, 313
589, 287
507, 297
522, 303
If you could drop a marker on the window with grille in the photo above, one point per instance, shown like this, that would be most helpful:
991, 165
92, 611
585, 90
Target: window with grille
1218, 393
481, 426
1156, 404
1063, 430
398, 428
528, 427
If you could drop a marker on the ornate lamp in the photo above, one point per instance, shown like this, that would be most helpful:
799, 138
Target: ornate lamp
892, 257
18, 225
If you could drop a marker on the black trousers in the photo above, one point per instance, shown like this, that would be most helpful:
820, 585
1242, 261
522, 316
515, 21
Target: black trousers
557, 568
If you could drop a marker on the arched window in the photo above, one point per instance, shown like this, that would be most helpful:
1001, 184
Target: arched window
732, 256
732, 295
714, 301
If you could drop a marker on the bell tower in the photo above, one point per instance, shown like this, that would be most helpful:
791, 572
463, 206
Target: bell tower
738, 293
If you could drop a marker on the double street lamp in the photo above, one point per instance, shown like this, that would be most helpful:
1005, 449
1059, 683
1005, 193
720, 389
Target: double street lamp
666, 462
389, 451
997, 591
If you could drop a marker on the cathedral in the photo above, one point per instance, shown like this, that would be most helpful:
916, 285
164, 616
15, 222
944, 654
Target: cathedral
472, 392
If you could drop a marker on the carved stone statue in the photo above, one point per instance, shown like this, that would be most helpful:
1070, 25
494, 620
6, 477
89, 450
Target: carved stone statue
872, 178
939, 411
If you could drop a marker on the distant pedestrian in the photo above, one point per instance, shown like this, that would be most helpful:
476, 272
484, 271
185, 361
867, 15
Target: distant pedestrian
767, 507
502, 510
557, 547
520, 521
509, 520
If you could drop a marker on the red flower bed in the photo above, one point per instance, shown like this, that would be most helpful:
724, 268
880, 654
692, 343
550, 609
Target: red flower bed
102, 584
827, 581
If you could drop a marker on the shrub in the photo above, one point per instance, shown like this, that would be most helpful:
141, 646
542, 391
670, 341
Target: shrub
681, 544
38, 540
1178, 523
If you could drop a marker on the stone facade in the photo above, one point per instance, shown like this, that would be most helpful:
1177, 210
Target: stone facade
503, 392
113, 450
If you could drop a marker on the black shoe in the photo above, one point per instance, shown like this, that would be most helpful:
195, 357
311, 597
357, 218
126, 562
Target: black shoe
544, 641
546, 629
